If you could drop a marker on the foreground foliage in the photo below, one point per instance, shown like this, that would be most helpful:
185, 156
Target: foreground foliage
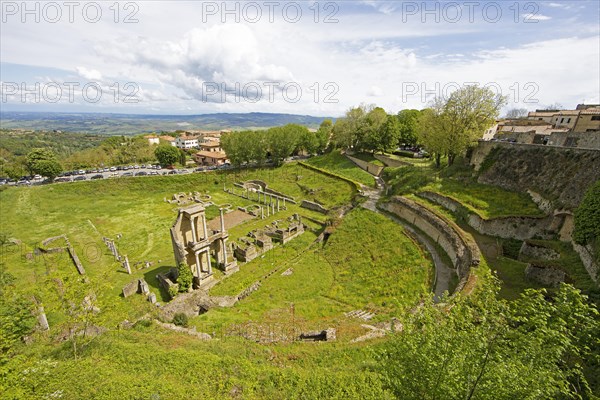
484, 348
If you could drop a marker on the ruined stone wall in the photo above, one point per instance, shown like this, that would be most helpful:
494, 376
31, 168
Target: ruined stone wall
390, 162
311, 205
367, 166
463, 252
505, 227
582, 140
559, 174
587, 257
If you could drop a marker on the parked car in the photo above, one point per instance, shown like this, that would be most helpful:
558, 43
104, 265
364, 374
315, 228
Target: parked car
128, 174
80, 178
141, 173
97, 177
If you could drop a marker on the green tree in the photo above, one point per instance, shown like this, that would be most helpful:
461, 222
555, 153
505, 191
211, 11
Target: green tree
323, 135
463, 118
431, 133
587, 216
408, 125
308, 142
185, 278
283, 140
257, 145
48, 168
231, 144
167, 155
370, 130
486, 348
389, 135
37, 155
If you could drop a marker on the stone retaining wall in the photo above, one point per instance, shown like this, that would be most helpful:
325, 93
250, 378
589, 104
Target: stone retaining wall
367, 166
520, 228
311, 205
463, 252
587, 258
390, 162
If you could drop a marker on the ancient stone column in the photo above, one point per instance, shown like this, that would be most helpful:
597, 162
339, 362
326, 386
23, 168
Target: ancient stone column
194, 233
204, 226
262, 212
277, 204
224, 245
126, 265
42, 320
209, 263
222, 220
198, 265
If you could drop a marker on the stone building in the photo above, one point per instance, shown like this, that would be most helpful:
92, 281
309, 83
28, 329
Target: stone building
194, 244
284, 231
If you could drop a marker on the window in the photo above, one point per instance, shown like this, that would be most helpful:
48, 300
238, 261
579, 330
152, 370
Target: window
568, 120
562, 120
595, 117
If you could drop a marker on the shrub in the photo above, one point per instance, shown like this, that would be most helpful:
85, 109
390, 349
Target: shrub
587, 216
180, 319
173, 290
185, 278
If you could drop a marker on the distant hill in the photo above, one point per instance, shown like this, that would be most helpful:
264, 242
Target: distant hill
132, 124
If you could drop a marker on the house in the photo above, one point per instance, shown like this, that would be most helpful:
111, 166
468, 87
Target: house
490, 132
585, 118
565, 118
186, 142
211, 146
588, 121
211, 158
542, 115
152, 139
168, 139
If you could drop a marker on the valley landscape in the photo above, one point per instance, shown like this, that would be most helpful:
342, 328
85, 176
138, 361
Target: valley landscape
229, 219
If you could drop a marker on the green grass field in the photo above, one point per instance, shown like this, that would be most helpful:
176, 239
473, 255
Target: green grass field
327, 281
485, 200
134, 208
337, 163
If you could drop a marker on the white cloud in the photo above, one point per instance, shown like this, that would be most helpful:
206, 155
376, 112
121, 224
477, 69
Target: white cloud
536, 17
89, 74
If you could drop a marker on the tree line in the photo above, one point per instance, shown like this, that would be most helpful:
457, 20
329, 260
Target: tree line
276, 144
447, 128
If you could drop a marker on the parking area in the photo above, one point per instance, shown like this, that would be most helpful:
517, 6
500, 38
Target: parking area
108, 173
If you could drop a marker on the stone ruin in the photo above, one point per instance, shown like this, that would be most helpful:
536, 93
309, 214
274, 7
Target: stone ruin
284, 231
168, 280
182, 199
194, 245
70, 249
139, 286
248, 248
545, 275
260, 241
270, 201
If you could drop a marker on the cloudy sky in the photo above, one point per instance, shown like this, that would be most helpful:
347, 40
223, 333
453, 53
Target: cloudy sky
304, 57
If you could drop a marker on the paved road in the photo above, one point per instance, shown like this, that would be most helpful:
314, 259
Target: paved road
443, 272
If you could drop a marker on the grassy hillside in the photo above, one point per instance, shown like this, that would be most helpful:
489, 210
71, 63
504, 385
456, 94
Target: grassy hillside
336, 163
